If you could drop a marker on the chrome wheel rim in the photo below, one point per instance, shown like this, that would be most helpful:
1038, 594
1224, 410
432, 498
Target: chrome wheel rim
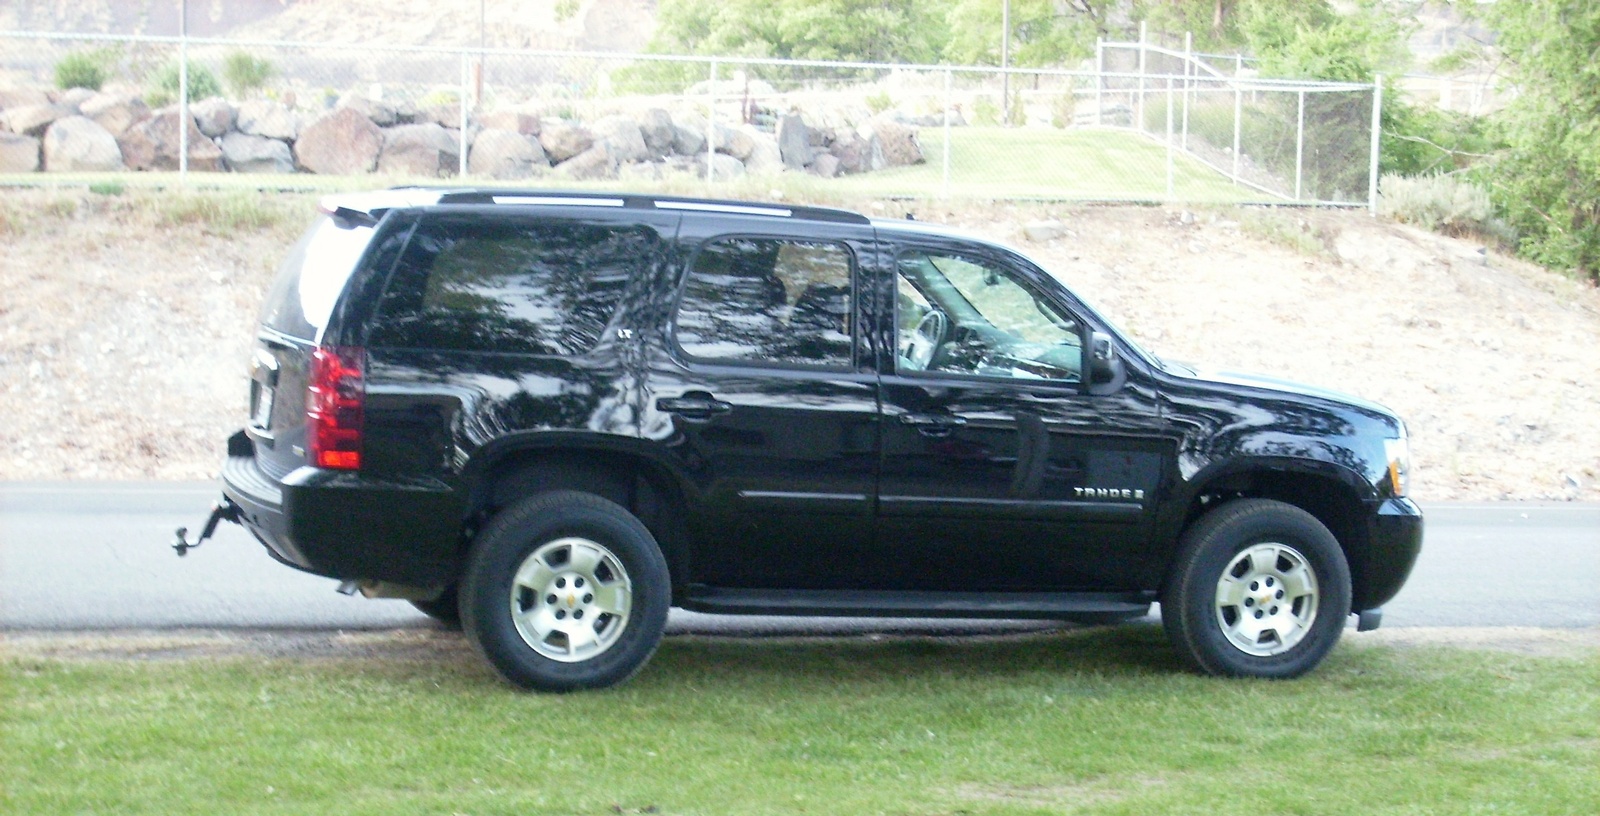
1267, 599
571, 599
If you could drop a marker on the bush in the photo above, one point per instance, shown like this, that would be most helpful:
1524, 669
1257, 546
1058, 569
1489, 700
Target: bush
163, 89
83, 69
879, 102
245, 73
1445, 203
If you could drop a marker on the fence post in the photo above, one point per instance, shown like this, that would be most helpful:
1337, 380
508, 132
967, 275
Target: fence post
1238, 124
711, 121
183, 93
1099, 80
1169, 137
1377, 122
1139, 108
1188, 81
466, 87
1299, 144
949, 81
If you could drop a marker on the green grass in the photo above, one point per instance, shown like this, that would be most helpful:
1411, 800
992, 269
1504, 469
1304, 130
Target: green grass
1097, 165
1088, 722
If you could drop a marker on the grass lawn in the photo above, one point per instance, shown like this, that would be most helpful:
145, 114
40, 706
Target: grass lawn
1091, 165
1099, 721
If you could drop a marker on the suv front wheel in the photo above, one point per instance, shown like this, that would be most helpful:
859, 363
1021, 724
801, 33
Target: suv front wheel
565, 591
1259, 589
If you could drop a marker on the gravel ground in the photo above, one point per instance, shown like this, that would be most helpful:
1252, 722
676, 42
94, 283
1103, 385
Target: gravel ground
124, 328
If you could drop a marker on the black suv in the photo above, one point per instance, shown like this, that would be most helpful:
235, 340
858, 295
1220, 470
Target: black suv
553, 416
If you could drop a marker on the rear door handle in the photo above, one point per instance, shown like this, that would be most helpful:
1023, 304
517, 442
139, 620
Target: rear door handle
932, 424
694, 406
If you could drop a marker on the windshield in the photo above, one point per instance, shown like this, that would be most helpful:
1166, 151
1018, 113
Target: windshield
312, 276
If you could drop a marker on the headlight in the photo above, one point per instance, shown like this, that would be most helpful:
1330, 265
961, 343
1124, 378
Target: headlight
1398, 452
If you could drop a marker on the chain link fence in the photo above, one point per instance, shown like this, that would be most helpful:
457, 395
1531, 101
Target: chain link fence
1146, 123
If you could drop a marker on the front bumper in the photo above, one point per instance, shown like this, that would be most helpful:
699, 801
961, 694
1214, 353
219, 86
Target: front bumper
345, 525
1394, 536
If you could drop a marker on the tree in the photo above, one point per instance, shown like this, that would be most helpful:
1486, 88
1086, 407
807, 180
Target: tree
1043, 32
1547, 181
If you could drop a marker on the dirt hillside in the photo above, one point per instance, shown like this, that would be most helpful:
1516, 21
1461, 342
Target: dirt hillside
125, 322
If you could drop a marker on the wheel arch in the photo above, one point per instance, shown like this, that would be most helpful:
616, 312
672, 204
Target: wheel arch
612, 468
1337, 497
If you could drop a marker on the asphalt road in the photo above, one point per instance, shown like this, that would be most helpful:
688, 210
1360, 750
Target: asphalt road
81, 556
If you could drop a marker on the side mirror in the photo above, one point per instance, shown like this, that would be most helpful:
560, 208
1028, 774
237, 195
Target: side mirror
1104, 364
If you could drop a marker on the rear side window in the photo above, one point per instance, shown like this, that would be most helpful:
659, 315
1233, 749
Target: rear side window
312, 276
768, 300
545, 287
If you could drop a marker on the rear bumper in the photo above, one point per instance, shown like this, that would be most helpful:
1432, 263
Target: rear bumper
1394, 532
345, 525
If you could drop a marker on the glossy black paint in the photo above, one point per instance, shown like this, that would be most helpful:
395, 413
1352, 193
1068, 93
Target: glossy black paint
757, 477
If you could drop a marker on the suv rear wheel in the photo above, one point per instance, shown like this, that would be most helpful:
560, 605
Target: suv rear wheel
565, 591
1259, 589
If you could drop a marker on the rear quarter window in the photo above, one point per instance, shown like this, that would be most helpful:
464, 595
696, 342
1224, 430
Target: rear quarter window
547, 287
312, 276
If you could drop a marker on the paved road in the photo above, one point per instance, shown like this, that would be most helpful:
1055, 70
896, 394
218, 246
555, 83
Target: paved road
94, 556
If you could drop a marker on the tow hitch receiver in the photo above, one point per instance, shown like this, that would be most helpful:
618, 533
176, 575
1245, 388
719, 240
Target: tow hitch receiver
223, 510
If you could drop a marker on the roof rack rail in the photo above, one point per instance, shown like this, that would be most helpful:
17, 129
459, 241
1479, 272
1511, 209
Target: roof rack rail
572, 198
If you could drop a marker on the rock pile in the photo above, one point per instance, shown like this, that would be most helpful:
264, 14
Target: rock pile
82, 130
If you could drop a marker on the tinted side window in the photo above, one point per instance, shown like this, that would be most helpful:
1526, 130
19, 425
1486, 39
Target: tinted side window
766, 300
526, 288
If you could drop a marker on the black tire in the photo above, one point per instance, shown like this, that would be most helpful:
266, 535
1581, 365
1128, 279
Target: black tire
613, 573
1256, 564
446, 609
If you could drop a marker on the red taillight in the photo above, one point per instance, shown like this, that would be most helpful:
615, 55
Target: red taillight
335, 397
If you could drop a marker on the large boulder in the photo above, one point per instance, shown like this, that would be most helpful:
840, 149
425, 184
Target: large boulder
825, 165
73, 97
244, 153
734, 142
898, 142
78, 144
265, 117
688, 134
858, 153
426, 149
623, 136
115, 112
381, 113
724, 167
563, 140
22, 98
18, 153
505, 154
655, 125
594, 163
154, 144
794, 141
765, 159
214, 116
34, 120
521, 122
341, 143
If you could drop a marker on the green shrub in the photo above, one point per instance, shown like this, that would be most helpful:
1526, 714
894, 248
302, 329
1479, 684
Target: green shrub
246, 74
879, 102
985, 111
83, 69
108, 188
163, 87
1445, 203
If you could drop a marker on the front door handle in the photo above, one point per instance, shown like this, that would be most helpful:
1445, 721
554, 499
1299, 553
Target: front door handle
694, 405
932, 424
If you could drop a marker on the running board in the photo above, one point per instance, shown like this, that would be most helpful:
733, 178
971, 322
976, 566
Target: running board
908, 604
